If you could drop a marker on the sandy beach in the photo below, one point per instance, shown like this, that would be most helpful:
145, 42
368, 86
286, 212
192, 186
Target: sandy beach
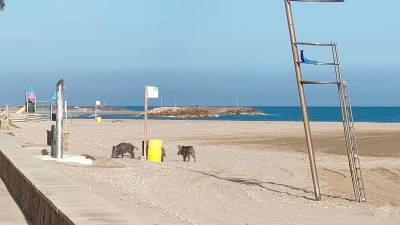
246, 172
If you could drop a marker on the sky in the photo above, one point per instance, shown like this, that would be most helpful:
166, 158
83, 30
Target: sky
204, 52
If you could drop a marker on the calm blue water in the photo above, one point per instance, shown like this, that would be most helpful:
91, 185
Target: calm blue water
323, 114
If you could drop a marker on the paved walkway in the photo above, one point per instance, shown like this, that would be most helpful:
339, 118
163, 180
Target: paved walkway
10, 214
72, 199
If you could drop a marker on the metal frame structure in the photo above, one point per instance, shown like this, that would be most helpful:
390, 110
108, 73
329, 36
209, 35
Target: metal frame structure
344, 99
27, 104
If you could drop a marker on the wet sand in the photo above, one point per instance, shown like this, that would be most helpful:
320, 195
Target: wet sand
371, 143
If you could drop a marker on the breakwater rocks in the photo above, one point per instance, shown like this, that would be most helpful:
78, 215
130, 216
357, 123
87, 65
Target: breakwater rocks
201, 112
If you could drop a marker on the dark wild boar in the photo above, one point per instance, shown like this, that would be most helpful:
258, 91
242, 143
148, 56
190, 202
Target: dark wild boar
186, 152
123, 148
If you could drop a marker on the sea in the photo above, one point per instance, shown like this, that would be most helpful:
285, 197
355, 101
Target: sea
286, 113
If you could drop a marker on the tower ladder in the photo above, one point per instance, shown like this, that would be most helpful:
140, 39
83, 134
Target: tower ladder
349, 130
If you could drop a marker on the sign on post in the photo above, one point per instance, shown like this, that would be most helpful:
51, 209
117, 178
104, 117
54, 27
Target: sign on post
152, 92
149, 92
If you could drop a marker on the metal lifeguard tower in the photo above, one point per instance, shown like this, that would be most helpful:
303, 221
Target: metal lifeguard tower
344, 99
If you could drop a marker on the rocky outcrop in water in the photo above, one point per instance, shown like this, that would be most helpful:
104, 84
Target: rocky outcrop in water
201, 112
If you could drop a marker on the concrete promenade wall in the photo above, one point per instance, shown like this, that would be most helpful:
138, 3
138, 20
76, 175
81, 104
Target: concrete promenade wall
47, 197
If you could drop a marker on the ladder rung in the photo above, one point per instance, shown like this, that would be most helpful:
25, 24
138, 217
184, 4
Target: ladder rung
318, 82
319, 63
327, 1
314, 44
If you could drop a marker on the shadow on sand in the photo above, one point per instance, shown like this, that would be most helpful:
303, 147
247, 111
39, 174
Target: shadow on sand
272, 186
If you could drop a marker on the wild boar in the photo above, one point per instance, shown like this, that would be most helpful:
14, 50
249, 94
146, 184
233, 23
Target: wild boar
123, 148
186, 152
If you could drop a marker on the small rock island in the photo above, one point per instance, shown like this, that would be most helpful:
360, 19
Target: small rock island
202, 112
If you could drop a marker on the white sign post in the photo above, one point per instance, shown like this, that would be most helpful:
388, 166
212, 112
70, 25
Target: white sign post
149, 92
98, 104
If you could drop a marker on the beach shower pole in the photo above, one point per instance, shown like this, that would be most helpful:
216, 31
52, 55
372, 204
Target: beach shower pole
59, 118
303, 102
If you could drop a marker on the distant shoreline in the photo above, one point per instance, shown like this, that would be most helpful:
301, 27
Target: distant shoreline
268, 113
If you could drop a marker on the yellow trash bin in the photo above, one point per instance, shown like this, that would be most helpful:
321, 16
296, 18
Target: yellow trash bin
98, 119
154, 152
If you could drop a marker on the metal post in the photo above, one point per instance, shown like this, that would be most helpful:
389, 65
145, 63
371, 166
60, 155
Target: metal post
66, 116
53, 141
35, 106
51, 110
59, 118
303, 103
26, 103
144, 153
143, 148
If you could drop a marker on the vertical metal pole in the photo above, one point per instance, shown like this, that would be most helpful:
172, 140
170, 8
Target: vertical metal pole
303, 103
51, 110
53, 141
66, 116
143, 149
95, 110
60, 118
26, 103
144, 153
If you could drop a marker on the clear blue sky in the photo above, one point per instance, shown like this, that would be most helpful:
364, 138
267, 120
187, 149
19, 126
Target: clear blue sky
204, 52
